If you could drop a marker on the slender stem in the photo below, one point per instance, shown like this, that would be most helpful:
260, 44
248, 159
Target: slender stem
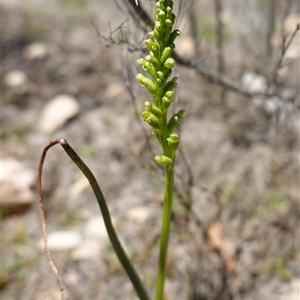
129, 268
165, 232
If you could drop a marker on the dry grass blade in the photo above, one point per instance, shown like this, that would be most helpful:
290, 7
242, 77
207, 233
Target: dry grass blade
42, 214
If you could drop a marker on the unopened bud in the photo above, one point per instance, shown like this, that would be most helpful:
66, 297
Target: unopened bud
150, 119
175, 119
174, 34
163, 160
169, 63
148, 83
166, 54
173, 141
170, 85
153, 109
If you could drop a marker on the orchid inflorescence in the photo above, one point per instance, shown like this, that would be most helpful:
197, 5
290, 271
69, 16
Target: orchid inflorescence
159, 64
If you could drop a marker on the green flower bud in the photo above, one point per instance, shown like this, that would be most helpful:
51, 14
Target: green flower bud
173, 17
157, 25
148, 83
151, 46
148, 105
167, 99
141, 61
169, 23
172, 46
168, 72
150, 58
166, 54
157, 33
150, 119
146, 115
175, 33
175, 119
170, 85
173, 138
173, 141
169, 63
163, 160
161, 15
166, 103
153, 109
160, 74
155, 132
149, 68
170, 95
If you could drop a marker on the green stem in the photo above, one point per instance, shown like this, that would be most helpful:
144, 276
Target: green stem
129, 268
165, 232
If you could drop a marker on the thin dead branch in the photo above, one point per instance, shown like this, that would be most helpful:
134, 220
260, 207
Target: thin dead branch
286, 42
220, 35
211, 76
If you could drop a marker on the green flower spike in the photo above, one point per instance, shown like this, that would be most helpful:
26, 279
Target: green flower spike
158, 64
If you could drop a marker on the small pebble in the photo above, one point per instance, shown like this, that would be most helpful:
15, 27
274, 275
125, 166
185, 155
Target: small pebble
35, 51
57, 112
62, 240
15, 79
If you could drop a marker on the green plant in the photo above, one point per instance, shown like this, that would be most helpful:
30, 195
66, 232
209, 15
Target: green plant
230, 193
276, 200
15, 267
279, 267
68, 216
158, 64
20, 235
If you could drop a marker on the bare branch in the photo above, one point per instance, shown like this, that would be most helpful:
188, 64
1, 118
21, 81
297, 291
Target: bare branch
285, 45
220, 35
270, 30
211, 76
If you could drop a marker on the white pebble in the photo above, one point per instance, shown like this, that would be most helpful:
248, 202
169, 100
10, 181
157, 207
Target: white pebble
254, 83
15, 78
139, 214
35, 51
62, 240
57, 112
90, 248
